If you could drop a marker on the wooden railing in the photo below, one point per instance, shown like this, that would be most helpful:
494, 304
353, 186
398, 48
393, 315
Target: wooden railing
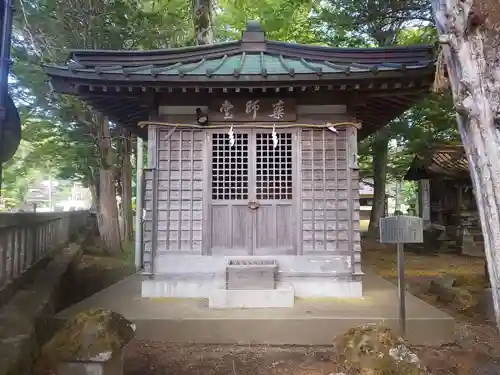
27, 238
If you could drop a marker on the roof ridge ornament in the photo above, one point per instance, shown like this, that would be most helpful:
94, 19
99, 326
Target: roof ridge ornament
253, 26
253, 38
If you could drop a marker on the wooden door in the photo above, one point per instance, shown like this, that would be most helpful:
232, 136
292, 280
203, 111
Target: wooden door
274, 219
230, 219
251, 208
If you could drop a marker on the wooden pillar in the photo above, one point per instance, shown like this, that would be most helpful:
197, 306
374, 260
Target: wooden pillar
139, 196
425, 200
353, 197
458, 204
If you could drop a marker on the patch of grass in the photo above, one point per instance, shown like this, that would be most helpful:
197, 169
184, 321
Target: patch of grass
382, 258
128, 254
421, 268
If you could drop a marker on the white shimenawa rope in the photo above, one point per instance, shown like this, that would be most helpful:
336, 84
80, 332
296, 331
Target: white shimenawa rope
334, 127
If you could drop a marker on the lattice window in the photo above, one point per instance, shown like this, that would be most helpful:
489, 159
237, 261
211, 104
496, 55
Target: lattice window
274, 166
229, 167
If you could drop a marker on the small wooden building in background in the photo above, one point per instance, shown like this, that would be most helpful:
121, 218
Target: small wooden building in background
446, 195
252, 148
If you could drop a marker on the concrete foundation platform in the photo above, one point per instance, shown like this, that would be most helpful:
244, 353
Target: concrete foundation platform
309, 322
282, 296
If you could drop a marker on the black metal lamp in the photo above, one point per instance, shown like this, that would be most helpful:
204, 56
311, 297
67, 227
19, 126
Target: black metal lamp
201, 117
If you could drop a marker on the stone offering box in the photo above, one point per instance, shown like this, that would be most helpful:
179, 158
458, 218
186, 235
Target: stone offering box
249, 274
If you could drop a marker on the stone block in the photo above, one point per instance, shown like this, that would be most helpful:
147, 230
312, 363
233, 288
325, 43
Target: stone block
251, 274
485, 305
443, 288
21, 319
112, 366
434, 235
282, 296
91, 343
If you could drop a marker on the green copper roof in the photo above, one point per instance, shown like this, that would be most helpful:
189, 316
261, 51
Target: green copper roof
259, 64
253, 57
247, 64
125, 84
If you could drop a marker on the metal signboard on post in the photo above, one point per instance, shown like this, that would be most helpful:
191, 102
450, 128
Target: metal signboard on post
400, 230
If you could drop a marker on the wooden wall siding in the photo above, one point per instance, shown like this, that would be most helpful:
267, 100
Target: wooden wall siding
180, 190
325, 197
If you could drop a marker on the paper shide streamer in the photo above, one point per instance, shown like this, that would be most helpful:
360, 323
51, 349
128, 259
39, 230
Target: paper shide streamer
231, 137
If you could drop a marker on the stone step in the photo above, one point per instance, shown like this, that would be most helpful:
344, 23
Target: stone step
282, 296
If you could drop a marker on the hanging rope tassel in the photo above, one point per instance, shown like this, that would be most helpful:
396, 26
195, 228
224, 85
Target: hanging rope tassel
231, 137
275, 137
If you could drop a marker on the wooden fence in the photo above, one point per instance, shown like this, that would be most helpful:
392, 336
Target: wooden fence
27, 238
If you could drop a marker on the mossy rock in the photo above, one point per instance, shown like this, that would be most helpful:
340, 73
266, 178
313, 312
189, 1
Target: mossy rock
376, 350
92, 335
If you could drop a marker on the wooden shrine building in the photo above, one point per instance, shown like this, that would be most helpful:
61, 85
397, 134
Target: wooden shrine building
252, 148
446, 195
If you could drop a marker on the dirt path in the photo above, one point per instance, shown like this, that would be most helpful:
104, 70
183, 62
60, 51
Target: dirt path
146, 358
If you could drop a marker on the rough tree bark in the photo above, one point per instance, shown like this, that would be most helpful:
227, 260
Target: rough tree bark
380, 150
126, 186
107, 218
94, 192
203, 25
470, 36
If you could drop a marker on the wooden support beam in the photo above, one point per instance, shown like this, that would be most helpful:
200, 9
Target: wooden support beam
425, 200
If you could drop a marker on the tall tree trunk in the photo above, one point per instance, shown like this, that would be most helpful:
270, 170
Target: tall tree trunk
126, 184
203, 22
380, 150
469, 33
108, 210
94, 191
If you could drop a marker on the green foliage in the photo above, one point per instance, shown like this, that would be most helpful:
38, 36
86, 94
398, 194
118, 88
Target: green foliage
372, 22
383, 23
284, 20
60, 133
26, 166
409, 194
